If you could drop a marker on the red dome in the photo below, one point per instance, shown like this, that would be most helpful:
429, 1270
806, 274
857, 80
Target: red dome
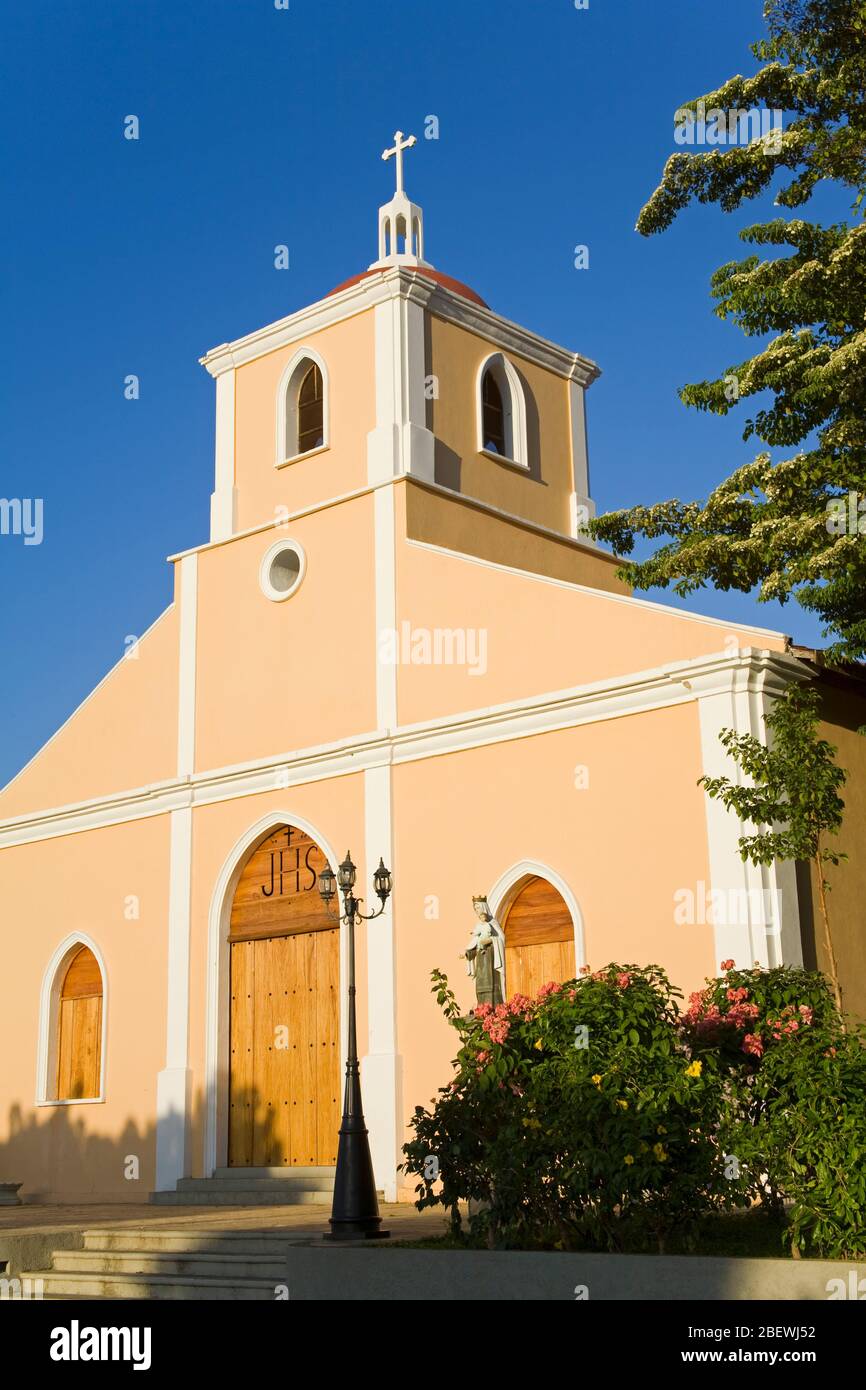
456, 286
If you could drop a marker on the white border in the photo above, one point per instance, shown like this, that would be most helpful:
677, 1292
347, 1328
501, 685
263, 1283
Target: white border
49, 995
267, 588
218, 1012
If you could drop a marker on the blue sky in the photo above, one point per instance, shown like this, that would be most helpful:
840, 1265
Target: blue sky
262, 126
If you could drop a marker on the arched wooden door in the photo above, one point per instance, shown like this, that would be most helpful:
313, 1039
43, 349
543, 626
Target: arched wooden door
284, 1032
79, 1044
539, 939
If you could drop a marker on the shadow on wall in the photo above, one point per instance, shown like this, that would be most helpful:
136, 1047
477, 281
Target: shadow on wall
58, 1154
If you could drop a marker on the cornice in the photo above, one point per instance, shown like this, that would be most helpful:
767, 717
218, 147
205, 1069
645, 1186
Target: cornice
634, 693
412, 284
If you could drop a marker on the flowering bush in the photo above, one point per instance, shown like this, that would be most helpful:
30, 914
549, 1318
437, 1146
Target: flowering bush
579, 1117
795, 1099
746, 1012
595, 1115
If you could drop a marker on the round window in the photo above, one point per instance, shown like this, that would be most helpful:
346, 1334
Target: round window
282, 570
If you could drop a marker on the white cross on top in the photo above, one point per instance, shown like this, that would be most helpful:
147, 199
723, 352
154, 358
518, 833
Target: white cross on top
399, 146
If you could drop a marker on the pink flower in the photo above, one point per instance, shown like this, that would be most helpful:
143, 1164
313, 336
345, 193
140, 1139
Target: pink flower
735, 995
497, 1030
727, 965
753, 1043
483, 1010
546, 990
806, 1013
584, 970
623, 979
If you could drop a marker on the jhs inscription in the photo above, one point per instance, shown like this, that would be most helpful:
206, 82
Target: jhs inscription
289, 873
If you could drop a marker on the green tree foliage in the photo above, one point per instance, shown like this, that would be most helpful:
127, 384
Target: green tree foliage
767, 526
792, 796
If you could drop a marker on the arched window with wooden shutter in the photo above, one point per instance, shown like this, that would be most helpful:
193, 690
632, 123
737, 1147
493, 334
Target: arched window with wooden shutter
311, 401
79, 1029
539, 939
502, 411
302, 407
493, 411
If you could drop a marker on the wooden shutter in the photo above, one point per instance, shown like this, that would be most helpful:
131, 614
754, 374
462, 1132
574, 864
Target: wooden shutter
311, 411
79, 1022
539, 939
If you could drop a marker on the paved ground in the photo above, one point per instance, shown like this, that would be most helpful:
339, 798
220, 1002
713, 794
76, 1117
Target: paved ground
306, 1222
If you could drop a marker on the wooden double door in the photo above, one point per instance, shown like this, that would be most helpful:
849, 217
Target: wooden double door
284, 1081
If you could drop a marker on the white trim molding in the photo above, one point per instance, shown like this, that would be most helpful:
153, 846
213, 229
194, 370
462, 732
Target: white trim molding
381, 1067
218, 1011
508, 885
286, 440
224, 498
174, 1081
49, 999
507, 378
187, 638
407, 282
271, 554
633, 693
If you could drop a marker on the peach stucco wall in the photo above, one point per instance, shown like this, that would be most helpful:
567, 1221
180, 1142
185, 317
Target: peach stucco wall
463, 820
49, 890
347, 348
542, 493
541, 636
278, 676
123, 735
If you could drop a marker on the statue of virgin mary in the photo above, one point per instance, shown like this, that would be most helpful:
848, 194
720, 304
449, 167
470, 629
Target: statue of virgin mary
484, 955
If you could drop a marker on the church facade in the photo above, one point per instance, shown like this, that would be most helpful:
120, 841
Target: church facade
397, 641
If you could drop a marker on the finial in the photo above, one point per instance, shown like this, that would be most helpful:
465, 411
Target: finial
401, 222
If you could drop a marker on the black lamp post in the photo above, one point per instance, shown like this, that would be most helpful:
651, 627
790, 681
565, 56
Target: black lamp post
355, 1212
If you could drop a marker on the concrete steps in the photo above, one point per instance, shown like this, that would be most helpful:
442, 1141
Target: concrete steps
179, 1262
198, 1288
150, 1239
153, 1263
252, 1187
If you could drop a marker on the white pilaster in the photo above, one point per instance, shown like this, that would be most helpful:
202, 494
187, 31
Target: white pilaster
756, 909
173, 1087
582, 505
223, 502
381, 1068
400, 442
